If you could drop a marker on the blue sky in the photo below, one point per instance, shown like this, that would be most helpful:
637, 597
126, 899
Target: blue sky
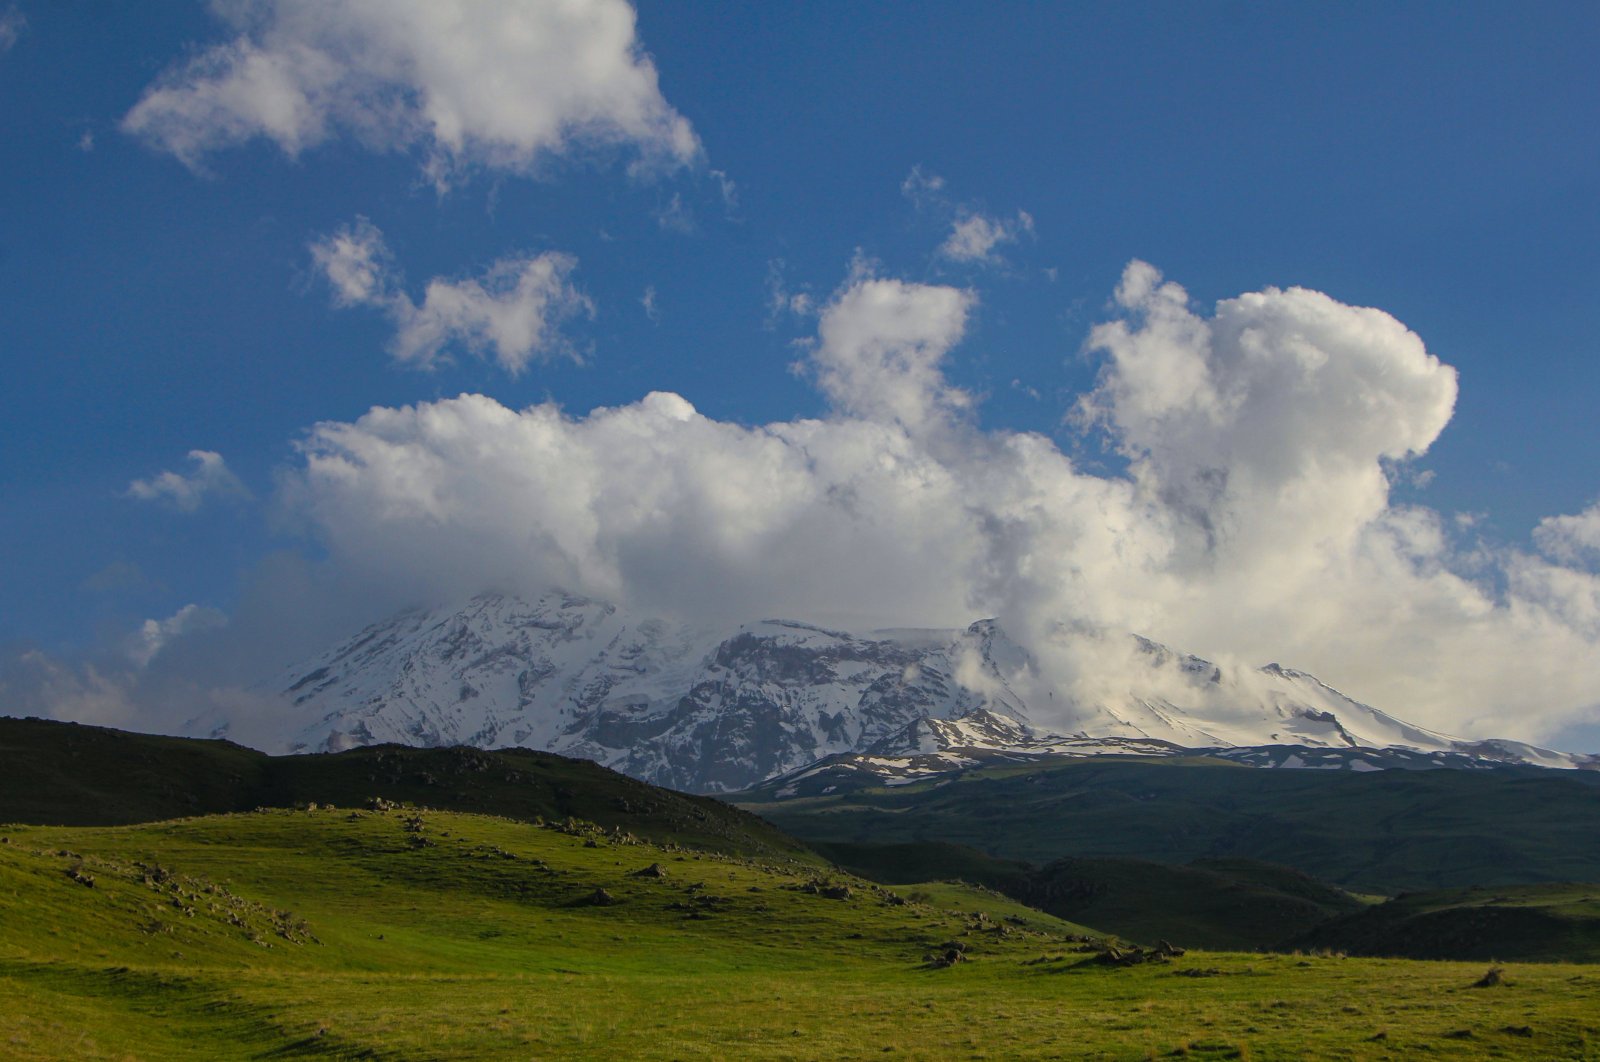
1436, 162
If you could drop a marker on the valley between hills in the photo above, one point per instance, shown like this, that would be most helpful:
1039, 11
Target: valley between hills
175, 898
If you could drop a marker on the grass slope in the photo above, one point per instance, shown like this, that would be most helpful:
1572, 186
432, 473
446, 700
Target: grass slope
1218, 904
66, 774
1233, 904
1522, 922
1382, 832
404, 935
901, 864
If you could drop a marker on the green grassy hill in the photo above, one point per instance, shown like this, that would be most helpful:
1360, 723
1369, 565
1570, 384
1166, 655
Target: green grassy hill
1521, 922
67, 774
436, 935
1382, 832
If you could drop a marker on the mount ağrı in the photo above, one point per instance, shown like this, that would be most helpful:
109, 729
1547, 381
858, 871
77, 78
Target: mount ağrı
717, 711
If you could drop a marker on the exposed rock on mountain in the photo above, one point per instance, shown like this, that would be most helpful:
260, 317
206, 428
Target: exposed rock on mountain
716, 711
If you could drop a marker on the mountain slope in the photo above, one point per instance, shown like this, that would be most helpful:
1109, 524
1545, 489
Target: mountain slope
660, 701
717, 711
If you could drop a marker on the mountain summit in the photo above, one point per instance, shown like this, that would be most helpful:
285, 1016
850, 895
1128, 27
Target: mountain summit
719, 710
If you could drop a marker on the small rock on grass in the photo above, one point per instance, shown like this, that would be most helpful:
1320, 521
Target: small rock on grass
1492, 979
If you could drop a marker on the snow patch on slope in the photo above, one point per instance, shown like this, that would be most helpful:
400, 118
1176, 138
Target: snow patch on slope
722, 710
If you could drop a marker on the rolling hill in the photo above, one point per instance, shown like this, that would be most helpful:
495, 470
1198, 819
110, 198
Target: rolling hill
405, 934
68, 774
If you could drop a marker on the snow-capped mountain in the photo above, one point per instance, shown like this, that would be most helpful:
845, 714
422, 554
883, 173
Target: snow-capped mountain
932, 748
717, 711
677, 706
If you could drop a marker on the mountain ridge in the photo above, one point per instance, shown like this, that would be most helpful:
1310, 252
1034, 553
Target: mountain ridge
719, 710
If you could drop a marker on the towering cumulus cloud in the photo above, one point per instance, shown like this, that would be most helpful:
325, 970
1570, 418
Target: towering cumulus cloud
1252, 521
489, 84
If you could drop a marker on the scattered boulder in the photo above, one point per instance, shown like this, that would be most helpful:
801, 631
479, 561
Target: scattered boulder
826, 889
1492, 979
654, 870
600, 898
1114, 955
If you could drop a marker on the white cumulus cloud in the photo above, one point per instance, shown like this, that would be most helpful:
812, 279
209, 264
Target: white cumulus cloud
1252, 522
495, 85
880, 346
974, 237
210, 476
1570, 538
512, 313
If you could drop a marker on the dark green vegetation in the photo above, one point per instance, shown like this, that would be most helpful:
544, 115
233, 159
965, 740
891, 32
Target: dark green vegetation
1382, 832
1210, 904
66, 774
1201, 854
431, 935
1551, 923
1246, 906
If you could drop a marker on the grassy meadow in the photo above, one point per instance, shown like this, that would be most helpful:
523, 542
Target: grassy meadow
401, 934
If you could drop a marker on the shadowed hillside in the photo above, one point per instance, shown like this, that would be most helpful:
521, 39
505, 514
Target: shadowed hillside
1529, 923
1380, 832
68, 774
